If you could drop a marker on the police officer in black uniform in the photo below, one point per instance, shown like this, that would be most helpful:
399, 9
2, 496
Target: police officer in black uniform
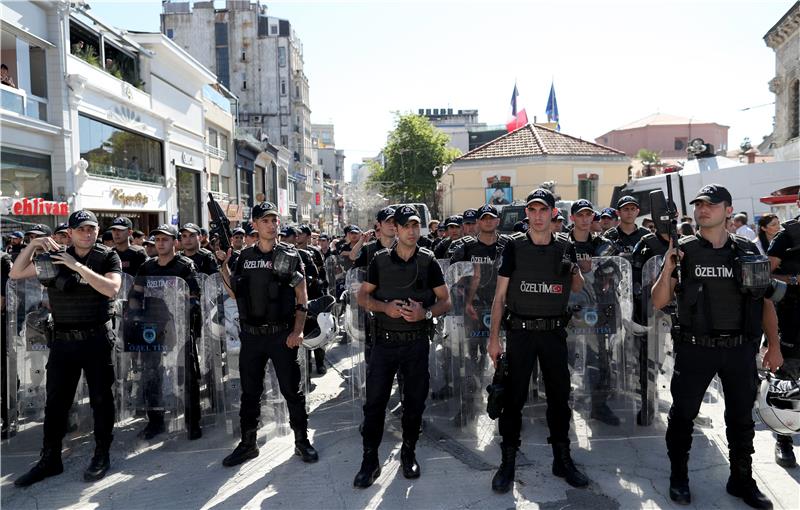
720, 327
269, 286
132, 256
627, 233
82, 304
61, 234
784, 258
537, 273
204, 261
469, 225
169, 263
405, 289
453, 226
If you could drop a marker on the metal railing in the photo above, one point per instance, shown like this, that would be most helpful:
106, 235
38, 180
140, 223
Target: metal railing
218, 153
128, 174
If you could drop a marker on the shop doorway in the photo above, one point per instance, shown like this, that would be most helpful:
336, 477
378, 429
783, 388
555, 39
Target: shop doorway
188, 196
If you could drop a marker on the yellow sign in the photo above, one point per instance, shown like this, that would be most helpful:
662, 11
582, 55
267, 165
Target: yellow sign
139, 198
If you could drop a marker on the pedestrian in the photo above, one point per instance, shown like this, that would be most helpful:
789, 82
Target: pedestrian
132, 256
720, 328
203, 259
742, 229
269, 286
168, 262
768, 227
784, 258
538, 270
82, 305
405, 289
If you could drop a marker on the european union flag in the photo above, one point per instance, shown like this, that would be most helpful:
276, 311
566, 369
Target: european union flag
552, 108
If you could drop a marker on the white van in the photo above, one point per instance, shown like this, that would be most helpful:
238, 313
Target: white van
425, 216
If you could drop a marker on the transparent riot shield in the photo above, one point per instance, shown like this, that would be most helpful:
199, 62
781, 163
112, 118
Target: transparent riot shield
440, 354
462, 413
661, 360
154, 341
356, 325
604, 361
29, 336
211, 347
336, 286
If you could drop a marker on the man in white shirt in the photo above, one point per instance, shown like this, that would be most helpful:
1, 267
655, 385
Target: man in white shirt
740, 222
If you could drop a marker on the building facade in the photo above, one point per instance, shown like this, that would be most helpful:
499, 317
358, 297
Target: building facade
784, 39
463, 128
509, 167
668, 135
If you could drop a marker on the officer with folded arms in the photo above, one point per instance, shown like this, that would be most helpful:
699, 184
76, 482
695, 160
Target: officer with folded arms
405, 289
721, 322
537, 272
82, 303
169, 263
268, 283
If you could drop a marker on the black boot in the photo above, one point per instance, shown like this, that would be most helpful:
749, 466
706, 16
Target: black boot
319, 358
742, 485
303, 448
100, 462
409, 460
784, 452
503, 480
370, 469
563, 467
244, 451
679, 480
155, 425
49, 465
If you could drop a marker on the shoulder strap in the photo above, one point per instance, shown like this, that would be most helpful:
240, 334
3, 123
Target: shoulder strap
96, 256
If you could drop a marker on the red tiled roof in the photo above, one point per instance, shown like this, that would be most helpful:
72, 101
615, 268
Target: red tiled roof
535, 140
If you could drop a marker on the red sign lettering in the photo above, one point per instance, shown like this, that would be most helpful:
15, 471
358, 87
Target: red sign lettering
38, 207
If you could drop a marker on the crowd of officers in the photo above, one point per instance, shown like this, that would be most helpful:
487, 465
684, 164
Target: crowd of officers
273, 272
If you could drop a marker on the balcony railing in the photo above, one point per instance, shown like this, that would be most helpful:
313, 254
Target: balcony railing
128, 174
20, 102
217, 153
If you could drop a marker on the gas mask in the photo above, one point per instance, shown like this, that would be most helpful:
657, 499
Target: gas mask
752, 272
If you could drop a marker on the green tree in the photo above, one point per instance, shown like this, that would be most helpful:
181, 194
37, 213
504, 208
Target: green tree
413, 150
648, 156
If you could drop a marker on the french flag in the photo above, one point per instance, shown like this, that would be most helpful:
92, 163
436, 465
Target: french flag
520, 118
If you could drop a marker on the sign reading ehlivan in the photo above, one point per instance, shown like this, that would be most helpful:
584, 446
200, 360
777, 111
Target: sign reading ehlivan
33, 207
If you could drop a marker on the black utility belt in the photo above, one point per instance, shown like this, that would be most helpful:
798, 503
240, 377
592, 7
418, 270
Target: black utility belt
541, 324
722, 341
78, 335
386, 337
264, 329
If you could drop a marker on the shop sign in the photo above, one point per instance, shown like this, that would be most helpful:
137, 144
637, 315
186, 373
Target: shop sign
33, 207
120, 195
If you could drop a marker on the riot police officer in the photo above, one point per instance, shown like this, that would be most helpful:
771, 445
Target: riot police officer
61, 234
626, 234
405, 289
784, 257
608, 219
169, 263
82, 304
720, 323
132, 256
453, 226
269, 286
537, 273
203, 259
469, 224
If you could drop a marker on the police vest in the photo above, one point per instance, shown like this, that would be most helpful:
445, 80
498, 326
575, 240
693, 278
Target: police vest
76, 303
263, 297
710, 300
463, 250
403, 281
539, 286
790, 263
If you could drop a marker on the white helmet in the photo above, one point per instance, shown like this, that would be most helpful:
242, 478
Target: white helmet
778, 405
323, 333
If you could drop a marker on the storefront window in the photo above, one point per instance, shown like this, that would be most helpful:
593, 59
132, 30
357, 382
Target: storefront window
25, 174
118, 153
188, 196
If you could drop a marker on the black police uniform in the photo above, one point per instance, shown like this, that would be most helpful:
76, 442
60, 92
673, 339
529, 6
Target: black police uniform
625, 242
204, 261
368, 252
83, 340
719, 331
400, 346
266, 303
131, 259
786, 247
180, 267
536, 304
443, 249
5, 269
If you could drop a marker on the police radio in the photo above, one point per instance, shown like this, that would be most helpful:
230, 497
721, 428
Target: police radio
665, 216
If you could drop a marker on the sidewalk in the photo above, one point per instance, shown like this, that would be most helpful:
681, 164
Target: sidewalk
626, 473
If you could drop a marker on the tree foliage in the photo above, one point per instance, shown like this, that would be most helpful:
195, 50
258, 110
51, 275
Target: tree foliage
414, 149
648, 156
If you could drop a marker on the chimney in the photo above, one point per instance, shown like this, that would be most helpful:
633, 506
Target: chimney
751, 155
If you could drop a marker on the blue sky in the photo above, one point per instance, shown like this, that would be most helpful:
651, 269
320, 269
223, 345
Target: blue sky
612, 62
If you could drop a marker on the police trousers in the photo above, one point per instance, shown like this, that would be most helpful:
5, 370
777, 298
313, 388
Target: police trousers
789, 324
64, 365
695, 367
256, 351
523, 348
409, 360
